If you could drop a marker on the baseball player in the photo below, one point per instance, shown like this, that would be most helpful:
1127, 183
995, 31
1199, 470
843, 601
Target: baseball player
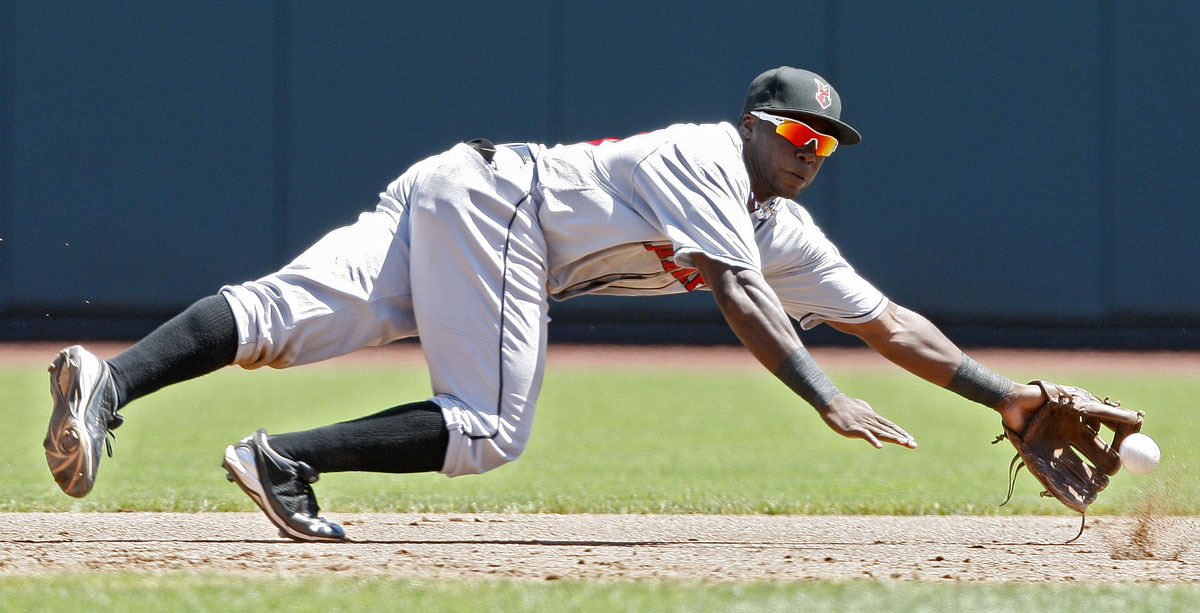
465, 248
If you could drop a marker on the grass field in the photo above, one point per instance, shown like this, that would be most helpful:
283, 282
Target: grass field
198, 593
624, 441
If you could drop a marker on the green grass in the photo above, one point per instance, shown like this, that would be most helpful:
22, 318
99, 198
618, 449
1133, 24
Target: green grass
604, 441
621, 442
179, 592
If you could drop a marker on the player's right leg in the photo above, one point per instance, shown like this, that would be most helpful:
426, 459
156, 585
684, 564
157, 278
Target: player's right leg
347, 291
85, 412
88, 391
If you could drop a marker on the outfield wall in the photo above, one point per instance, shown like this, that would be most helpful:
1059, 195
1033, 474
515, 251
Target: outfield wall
1027, 175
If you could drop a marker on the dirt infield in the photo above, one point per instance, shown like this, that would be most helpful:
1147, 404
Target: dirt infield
615, 547
630, 547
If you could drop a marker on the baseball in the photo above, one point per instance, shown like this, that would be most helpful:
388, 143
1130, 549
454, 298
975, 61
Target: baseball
1139, 453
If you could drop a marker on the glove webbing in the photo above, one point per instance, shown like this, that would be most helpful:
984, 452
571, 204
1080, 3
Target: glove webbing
1012, 484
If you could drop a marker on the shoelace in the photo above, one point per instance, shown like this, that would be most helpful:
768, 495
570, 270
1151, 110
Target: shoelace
299, 474
114, 419
306, 475
110, 437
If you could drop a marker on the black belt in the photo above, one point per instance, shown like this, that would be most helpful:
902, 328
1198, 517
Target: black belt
485, 148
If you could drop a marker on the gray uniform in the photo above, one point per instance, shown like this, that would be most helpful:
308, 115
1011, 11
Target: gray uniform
466, 253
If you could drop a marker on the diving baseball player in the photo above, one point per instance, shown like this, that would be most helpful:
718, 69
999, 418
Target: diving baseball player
465, 248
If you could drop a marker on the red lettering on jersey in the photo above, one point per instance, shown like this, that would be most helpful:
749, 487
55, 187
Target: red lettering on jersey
689, 278
609, 139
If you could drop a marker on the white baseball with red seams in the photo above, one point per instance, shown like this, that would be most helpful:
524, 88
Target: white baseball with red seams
1139, 453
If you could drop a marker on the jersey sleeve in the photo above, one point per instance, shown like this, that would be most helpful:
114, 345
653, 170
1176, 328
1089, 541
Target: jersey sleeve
699, 200
810, 276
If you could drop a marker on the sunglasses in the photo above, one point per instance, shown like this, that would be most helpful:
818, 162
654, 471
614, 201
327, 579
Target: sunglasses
799, 133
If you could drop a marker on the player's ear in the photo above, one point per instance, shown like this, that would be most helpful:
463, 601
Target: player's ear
746, 127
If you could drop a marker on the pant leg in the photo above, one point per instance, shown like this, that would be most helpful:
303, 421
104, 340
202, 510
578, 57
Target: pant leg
347, 291
478, 289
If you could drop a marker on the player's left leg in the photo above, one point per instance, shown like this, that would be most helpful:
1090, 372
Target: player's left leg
481, 305
478, 273
478, 279
404, 439
276, 471
280, 487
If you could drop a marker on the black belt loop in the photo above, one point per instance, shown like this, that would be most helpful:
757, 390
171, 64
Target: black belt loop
485, 148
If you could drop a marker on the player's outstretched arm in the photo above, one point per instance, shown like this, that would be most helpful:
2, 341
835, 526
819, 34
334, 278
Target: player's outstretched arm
915, 344
756, 316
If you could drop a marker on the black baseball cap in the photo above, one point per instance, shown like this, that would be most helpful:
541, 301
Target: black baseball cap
796, 91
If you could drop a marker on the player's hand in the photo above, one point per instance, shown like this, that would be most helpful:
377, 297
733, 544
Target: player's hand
1020, 405
854, 418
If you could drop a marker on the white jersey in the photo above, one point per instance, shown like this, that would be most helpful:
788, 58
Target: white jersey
623, 217
600, 204
466, 253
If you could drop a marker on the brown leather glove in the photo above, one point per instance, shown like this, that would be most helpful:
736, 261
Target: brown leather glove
1062, 446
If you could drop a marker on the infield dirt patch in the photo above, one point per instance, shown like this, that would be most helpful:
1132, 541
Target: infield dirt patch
617, 547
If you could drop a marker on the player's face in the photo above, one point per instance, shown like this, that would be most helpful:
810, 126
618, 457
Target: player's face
776, 166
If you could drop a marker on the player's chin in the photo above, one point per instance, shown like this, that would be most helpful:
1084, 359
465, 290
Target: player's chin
792, 185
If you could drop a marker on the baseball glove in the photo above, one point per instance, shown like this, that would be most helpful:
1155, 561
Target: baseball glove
1062, 446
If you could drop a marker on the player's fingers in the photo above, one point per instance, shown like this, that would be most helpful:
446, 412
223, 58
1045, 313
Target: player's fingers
906, 439
870, 438
900, 439
896, 434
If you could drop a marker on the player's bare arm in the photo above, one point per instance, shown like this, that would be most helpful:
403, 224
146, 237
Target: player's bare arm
752, 309
912, 342
756, 316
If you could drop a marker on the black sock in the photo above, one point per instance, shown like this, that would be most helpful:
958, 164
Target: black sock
405, 439
196, 342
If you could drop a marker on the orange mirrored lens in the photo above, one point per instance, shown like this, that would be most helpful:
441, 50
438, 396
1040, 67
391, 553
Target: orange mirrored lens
801, 135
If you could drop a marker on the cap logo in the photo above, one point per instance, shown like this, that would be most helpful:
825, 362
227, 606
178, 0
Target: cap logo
824, 98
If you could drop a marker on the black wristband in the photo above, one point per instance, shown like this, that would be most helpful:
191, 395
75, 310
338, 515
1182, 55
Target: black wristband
976, 382
800, 372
